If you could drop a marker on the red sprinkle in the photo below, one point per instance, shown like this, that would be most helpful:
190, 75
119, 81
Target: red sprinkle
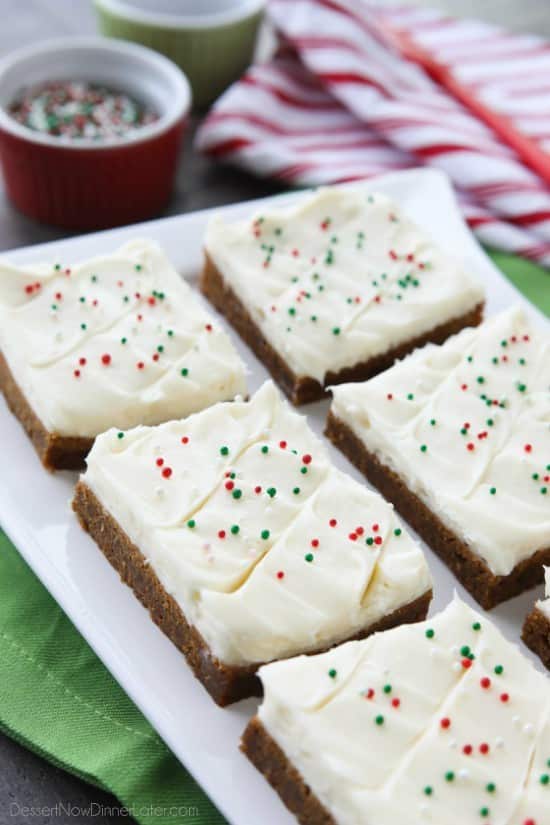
280, 574
160, 462
470, 446
389, 396
315, 542
106, 359
257, 490
396, 702
140, 365
167, 472
333, 522
466, 664
282, 445
445, 723
306, 459
82, 361
221, 534
484, 748
229, 485
375, 528
370, 693
378, 539
76, 373
208, 327
528, 448
467, 750
185, 439
352, 536
485, 683
504, 697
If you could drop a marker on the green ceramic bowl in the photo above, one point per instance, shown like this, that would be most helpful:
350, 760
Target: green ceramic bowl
211, 40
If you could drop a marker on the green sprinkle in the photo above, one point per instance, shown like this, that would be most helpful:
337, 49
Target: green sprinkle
449, 776
504, 343
292, 311
484, 812
369, 541
160, 348
387, 688
271, 492
476, 626
313, 318
397, 531
545, 779
379, 720
138, 267
170, 333
535, 476
410, 397
265, 534
57, 267
543, 490
184, 371
237, 493
235, 529
428, 790
265, 449
522, 362
522, 387
493, 490
333, 673
336, 330
224, 450
465, 650
499, 670
489, 422
469, 359
296, 491
433, 422
423, 448
191, 523
94, 279
490, 787
303, 470
120, 435
82, 299
83, 326
480, 379
123, 340
430, 633
54, 306
309, 557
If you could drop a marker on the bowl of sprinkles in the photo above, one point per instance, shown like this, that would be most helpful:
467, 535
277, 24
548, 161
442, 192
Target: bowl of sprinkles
90, 131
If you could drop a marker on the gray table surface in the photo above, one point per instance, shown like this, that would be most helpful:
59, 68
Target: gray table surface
26, 779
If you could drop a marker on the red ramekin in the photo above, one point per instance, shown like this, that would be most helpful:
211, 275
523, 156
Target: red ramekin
85, 183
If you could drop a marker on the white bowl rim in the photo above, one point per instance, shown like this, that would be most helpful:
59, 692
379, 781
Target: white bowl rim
159, 19
177, 107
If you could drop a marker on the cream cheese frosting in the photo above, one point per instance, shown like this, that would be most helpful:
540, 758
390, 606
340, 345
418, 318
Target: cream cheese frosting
339, 278
267, 549
544, 604
466, 425
118, 340
440, 722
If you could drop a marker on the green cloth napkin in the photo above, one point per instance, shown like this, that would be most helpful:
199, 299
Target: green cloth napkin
57, 698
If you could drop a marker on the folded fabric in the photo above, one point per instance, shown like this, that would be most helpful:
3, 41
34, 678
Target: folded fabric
357, 90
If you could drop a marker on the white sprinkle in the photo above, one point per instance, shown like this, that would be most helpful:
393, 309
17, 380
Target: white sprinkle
464, 774
529, 729
499, 742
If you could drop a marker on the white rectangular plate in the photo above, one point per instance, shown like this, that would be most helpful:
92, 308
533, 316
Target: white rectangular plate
35, 512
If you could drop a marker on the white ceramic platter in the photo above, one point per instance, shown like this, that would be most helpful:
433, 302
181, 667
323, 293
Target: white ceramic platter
35, 513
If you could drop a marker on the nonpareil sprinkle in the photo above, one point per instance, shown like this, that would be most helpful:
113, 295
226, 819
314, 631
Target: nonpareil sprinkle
79, 110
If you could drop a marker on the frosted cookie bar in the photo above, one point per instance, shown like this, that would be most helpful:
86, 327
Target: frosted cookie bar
442, 722
118, 340
536, 628
458, 438
335, 288
244, 543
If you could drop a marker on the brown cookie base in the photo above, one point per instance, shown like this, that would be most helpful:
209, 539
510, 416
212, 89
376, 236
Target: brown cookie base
469, 568
266, 755
225, 683
301, 389
536, 635
56, 452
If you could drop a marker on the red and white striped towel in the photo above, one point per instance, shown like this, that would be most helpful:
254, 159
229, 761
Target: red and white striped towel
357, 90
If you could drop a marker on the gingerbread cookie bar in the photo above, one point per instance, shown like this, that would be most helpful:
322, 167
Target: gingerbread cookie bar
457, 437
536, 628
117, 341
442, 722
335, 288
244, 543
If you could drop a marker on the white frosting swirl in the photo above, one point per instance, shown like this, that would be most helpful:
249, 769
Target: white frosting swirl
268, 550
441, 722
339, 278
116, 341
467, 426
